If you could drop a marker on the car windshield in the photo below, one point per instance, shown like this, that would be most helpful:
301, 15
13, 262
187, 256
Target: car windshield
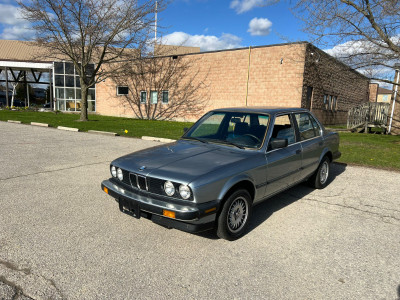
242, 130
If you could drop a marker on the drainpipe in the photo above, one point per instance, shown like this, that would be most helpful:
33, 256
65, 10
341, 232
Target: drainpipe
395, 96
248, 75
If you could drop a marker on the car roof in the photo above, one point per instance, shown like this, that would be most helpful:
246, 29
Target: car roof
272, 110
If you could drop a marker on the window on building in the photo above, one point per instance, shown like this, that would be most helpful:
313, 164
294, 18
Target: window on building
330, 102
326, 101
153, 97
143, 97
334, 103
165, 97
67, 88
122, 90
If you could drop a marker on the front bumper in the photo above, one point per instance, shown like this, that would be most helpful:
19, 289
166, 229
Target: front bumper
191, 217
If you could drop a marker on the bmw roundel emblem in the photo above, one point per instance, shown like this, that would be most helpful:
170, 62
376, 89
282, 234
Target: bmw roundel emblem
142, 168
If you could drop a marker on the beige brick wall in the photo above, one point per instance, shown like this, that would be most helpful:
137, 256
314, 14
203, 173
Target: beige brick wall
373, 92
274, 76
275, 79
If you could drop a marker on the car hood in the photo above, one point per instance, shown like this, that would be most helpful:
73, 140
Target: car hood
182, 161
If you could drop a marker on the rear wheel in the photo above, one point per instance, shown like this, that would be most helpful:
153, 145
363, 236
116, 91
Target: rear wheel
320, 178
234, 217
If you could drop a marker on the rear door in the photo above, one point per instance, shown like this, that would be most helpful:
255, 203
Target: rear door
311, 141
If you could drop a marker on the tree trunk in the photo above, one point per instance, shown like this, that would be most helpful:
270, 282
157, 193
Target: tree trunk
84, 95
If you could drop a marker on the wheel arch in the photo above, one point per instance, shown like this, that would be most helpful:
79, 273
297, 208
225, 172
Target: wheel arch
327, 153
243, 183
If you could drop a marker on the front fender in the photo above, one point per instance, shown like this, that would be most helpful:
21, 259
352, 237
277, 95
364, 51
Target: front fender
216, 190
234, 181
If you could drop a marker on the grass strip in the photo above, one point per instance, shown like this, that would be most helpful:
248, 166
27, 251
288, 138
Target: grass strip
121, 126
373, 150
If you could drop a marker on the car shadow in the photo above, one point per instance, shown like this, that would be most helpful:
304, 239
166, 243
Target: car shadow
398, 292
262, 211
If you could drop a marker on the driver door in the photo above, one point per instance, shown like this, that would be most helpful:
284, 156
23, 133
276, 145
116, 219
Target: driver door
283, 164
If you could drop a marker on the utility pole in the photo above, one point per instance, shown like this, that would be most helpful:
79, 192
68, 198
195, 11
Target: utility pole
396, 87
155, 25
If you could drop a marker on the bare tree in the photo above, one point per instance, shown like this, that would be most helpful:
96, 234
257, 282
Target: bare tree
364, 34
164, 87
91, 32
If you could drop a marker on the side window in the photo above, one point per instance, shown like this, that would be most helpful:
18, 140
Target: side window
317, 128
283, 129
306, 125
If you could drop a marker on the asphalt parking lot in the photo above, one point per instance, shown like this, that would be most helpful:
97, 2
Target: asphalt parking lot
61, 237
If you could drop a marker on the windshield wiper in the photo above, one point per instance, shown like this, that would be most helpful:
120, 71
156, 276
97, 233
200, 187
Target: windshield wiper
195, 138
231, 143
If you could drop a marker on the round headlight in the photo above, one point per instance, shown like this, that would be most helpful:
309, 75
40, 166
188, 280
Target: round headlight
169, 188
184, 190
113, 171
119, 174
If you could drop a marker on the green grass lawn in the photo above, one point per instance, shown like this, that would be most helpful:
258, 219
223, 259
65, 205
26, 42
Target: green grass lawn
375, 150
135, 128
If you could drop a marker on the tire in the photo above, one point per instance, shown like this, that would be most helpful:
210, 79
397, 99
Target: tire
320, 178
234, 217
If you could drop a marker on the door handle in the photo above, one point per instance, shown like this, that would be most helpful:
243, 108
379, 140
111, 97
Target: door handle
298, 151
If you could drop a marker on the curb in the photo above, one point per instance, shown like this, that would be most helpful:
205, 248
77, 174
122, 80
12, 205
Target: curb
102, 132
39, 124
156, 139
67, 128
12, 121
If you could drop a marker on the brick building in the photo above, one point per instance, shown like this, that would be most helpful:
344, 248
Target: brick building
293, 75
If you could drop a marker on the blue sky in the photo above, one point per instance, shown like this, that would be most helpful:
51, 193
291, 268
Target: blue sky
209, 24
230, 23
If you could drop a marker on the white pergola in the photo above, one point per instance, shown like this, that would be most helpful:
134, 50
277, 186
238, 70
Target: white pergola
19, 69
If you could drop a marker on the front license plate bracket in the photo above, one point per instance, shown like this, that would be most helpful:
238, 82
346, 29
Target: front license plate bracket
129, 208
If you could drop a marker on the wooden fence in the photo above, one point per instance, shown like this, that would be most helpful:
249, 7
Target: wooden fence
367, 115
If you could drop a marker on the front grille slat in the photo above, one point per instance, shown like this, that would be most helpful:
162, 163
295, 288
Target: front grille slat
132, 177
150, 184
142, 184
126, 177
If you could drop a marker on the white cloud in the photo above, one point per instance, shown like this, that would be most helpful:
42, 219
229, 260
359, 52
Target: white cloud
205, 42
366, 57
14, 25
260, 26
242, 6
15, 33
10, 15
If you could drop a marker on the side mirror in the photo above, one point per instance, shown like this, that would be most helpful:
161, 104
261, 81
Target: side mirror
185, 129
278, 143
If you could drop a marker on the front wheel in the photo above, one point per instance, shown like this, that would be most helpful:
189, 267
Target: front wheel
234, 217
320, 179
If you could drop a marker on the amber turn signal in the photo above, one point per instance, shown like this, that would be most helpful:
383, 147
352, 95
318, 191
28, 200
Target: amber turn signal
105, 189
169, 214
